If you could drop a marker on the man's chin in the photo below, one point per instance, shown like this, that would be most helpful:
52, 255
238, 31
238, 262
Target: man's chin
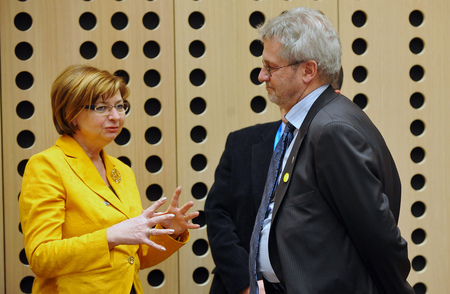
274, 99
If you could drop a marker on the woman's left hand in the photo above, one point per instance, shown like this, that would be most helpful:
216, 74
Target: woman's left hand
180, 223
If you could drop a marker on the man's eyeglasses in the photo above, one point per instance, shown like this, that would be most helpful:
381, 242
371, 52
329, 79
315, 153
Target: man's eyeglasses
270, 69
107, 109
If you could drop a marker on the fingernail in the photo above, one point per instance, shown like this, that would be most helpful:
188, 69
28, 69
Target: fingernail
163, 198
171, 231
171, 215
163, 249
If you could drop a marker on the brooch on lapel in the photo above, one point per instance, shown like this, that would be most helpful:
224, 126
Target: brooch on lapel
117, 177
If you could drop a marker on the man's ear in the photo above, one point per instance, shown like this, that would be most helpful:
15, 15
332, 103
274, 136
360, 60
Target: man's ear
310, 68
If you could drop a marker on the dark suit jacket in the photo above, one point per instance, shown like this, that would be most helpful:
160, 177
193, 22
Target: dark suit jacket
233, 203
334, 226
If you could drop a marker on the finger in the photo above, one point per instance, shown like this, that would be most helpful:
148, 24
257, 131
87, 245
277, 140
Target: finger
152, 209
191, 216
160, 218
185, 208
192, 226
176, 197
158, 232
150, 243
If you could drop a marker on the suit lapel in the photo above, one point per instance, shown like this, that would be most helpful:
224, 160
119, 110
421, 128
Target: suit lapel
326, 97
83, 167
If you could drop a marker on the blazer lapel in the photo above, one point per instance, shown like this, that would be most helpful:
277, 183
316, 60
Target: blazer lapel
83, 167
118, 183
326, 97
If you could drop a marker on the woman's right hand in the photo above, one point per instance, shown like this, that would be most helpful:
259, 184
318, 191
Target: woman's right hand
136, 230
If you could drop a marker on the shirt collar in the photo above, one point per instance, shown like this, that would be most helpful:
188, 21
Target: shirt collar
298, 112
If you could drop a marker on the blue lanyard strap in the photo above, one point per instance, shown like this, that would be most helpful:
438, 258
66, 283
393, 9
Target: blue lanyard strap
278, 135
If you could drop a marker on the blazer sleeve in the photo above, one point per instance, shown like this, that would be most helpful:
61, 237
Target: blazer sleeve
349, 170
42, 211
229, 255
150, 256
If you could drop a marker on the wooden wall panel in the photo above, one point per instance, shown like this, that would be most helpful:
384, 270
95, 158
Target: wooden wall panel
56, 35
2, 231
403, 38
227, 30
193, 138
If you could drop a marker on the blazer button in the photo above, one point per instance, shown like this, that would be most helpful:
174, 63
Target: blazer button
130, 259
106, 203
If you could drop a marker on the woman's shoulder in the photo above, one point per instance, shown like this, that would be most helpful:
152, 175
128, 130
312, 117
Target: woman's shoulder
117, 163
46, 154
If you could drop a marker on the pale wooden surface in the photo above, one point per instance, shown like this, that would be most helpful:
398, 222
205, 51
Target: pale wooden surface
2, 232
228, 91
56, 36
388, 59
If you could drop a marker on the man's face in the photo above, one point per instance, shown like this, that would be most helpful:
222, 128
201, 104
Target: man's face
284, 85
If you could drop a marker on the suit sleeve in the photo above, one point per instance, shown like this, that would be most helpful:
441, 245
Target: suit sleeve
349, 171
230, 257
42, 210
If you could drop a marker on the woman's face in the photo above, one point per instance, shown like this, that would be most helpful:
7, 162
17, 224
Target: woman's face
97, 130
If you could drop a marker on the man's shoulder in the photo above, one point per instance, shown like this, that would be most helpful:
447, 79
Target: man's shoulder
342, 109
242, 138
258, 129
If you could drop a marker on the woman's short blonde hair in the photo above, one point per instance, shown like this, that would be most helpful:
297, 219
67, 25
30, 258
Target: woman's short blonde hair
78, 86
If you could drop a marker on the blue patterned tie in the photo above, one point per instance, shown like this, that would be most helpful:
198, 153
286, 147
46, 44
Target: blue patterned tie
269, 191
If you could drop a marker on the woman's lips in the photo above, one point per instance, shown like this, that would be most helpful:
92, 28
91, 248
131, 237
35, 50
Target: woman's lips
112, 129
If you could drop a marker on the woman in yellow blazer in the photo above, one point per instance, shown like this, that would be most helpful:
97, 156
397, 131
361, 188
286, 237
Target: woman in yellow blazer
82, 219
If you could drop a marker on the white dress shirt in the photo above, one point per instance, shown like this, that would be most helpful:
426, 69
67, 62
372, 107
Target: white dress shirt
295, 116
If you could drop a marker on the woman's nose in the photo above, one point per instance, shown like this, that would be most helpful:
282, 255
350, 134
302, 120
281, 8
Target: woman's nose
114, 114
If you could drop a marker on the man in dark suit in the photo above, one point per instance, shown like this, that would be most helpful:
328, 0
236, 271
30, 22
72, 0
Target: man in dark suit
233, 202
234, 199
332, 224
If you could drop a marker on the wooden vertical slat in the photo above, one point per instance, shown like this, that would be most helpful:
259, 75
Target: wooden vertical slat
388, 59
56, 37
228, 91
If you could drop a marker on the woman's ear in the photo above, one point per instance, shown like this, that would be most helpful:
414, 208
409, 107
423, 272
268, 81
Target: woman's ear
309, 71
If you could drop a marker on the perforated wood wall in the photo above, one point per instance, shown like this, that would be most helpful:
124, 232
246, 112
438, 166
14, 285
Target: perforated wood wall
395, 54
192, 68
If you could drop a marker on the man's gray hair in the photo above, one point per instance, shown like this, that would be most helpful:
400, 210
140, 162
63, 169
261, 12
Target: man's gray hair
306, 34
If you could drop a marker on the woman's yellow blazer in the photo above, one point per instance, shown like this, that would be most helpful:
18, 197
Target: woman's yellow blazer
65, 209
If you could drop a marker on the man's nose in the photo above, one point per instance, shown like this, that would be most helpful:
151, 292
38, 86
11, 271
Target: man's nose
263, 75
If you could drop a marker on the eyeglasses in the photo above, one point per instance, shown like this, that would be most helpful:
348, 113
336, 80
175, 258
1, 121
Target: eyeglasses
270, 69
107, 109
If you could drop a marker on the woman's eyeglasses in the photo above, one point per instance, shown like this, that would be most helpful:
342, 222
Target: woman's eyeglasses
107, 109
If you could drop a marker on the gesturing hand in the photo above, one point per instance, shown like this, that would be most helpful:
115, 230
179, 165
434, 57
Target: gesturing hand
136, 230
180, 222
